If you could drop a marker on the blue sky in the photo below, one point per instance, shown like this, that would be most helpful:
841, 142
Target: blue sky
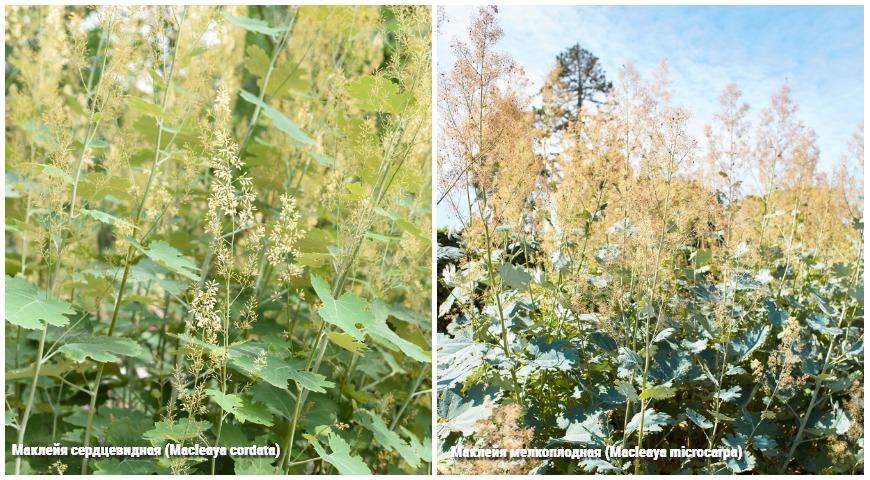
818, 51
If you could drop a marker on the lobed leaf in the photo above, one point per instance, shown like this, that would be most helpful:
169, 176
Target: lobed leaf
167, 256
99, 348
341, 457
346, 312
386, 437
28, 307
383, 334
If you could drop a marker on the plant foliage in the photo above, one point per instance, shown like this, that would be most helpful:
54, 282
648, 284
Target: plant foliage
213, 221
614, 283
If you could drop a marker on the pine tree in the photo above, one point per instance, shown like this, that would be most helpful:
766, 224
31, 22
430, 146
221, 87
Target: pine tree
576, 78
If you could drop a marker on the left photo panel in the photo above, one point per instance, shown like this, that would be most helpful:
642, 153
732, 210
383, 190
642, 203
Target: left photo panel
218, 254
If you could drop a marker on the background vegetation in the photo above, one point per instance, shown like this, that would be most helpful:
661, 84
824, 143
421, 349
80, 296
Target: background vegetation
215, 234
614, 281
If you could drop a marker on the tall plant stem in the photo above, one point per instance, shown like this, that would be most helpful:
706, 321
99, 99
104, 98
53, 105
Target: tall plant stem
22, 427
128, 257
91, 131
269, 70
497, 297
226, 339
390, 164
647, 333
93, 123
722, 370
819, 378
407, 401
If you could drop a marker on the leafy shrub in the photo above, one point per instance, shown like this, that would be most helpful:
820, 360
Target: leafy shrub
628, 289
214, 227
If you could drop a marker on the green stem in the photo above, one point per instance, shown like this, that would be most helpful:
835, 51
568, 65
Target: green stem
819, 379
129, 255
96, 388
22, 427
389, 162
407, 401
226, 336
497, 297
265, 85
347, 374
647, 334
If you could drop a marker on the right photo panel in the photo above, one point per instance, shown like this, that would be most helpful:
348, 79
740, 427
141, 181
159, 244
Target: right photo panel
650, 240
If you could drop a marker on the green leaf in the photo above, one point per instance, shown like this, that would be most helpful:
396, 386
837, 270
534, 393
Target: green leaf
94, 286
730, 394
340, 458
324, 160
346, 312
386, 437
834, 421
100, 348
702, 257
279, 119
97, 186
124, 426
104, 217
199, 343
421, 449
753, 338
313, 260
256, 60
232, 435
515, 277
409, 228
382, 238
286, 75
627, 391
145, 107
653, 421
56, 172
58, 369
598, 466
346, 342
824, 306
254, 25
722, 417
356, 191
738, 465
278, 372
228, 402
311, 381
384, 335
254, 466
458, 357
11, 418
28, 307
129, 466
379, 94
663, 335
658, 392
167, 256
593, 429
460, 413
181, 430
698, 419
279, 401
250, 411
